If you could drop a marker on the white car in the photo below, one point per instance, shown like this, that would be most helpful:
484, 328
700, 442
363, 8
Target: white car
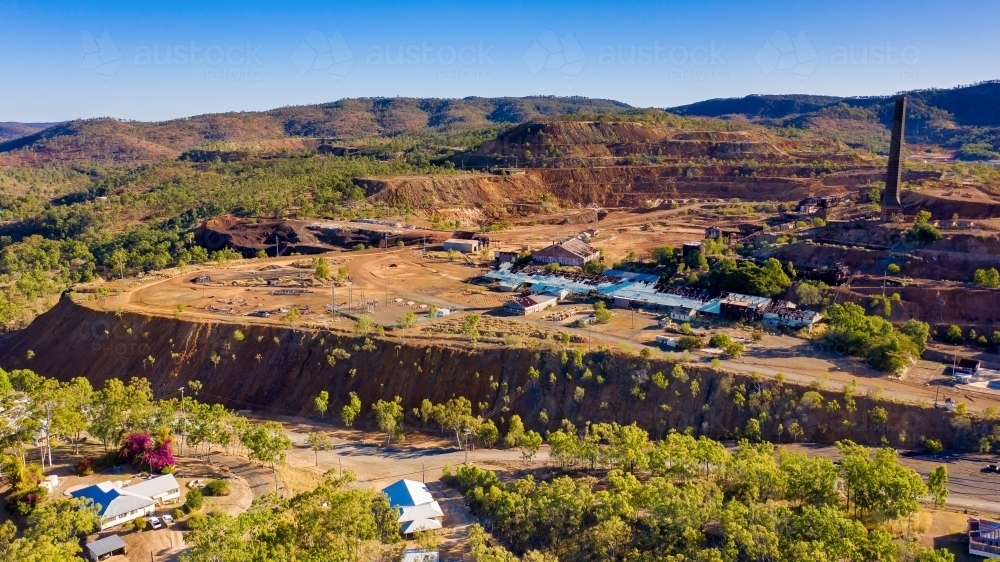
154, 522
168, 520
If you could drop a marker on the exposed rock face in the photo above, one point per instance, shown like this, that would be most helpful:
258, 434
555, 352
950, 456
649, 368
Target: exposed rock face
278, 370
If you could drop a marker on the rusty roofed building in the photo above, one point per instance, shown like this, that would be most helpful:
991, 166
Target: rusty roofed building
571, 252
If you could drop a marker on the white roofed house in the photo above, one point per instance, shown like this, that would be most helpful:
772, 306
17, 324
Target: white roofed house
114, 505
162, 489
117, 504
418, 511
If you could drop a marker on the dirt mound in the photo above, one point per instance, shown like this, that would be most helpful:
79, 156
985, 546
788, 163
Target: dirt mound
303, 237
250, 237
277, 369
943, 207
459, 190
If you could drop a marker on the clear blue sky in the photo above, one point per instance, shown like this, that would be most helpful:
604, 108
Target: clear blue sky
162, 60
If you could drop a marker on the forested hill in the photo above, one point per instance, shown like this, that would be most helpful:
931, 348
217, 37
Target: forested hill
11, 130
975, 106
951, 118
130, 142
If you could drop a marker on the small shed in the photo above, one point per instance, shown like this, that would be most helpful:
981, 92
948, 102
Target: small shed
506, 256
690, 248
461, 245
713, 232
666, 341
106, 548
416, 555
967, 367
683, 314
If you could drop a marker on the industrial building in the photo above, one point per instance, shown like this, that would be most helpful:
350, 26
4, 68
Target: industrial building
743, 308
530, 304
683, 314
642, 290
784, 313
506, 256
570, 252
461, 245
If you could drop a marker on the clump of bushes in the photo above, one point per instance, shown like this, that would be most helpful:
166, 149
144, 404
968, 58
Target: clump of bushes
84, 468
194, 521
194, 500
217, 488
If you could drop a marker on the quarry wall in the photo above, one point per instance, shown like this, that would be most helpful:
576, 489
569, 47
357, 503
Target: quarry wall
277, 370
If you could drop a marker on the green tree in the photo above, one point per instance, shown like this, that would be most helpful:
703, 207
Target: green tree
321, 269
601, 313
389, 416
954, 334
266, 443
351, 410
407, 320
194, 500
529, 444
515, 430
321, 403
937, 485
318, 441
488, 434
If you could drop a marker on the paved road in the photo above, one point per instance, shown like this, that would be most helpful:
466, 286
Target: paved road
968, 486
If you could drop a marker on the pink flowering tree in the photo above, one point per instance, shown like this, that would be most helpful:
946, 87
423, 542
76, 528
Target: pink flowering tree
143, 451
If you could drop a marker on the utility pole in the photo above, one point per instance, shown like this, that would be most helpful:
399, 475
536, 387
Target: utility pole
182, 418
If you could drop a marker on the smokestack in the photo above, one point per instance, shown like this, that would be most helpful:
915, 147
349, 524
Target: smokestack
894, 174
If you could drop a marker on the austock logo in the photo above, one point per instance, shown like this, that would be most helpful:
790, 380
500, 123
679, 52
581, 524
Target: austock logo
781, 52
100, 54
317, 52
551, 52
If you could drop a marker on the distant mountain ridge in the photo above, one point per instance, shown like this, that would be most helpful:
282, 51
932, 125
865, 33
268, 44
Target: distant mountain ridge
12, 130
950, 117
126, 142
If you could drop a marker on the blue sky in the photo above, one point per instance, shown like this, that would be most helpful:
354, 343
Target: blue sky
162, 60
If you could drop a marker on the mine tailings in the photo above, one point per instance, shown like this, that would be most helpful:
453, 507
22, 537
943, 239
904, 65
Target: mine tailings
277, 370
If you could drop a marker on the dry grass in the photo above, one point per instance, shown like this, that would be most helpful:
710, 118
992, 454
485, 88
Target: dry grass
299, 479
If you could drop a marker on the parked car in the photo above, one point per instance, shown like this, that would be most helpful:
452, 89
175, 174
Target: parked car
991, 468
154, 522
168, 520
